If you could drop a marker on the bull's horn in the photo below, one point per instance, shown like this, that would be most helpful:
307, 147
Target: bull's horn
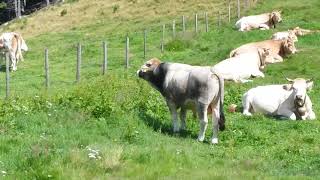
290, 80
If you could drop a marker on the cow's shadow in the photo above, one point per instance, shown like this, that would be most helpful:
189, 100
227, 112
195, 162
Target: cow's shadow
164, 128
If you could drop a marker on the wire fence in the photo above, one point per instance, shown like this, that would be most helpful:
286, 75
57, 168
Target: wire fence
72, 63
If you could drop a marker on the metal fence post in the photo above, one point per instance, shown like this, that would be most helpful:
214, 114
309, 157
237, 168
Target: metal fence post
162, 40
207, 21
219, 19
183, 24
196, 23
238, 8
79, 49
7, 76
105, 58
174, 29
229, 12
46, 66
145, 44
127, 52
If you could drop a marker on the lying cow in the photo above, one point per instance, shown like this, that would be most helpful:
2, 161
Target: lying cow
263, 21
182, 84
278, 48
288, 100
297, 31
244, 66
13, 44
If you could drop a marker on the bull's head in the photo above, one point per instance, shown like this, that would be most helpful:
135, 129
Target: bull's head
264, 53
147, 71
288, 46
297, 31
276, 16
299, 88
293, 36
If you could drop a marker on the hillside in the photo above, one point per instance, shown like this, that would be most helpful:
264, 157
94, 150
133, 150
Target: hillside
55, 133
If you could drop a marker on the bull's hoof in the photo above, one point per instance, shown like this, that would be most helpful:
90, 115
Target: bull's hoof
200, 138
214, 141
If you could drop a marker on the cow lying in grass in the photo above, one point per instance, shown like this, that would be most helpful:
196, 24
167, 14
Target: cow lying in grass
243, 66
288, 100
13, 44
278, 48
262, 21
181, 84
297, 31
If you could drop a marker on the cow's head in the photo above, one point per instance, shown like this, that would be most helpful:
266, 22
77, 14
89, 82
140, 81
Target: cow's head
293, 36
264, 53
297, 31
276, 17
299, 88
148, 70
288, 46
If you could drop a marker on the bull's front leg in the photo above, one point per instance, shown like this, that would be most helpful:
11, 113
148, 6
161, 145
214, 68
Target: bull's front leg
264, 27
183, 115
174, 116
277, 58
203, 118
287, 113
258, 74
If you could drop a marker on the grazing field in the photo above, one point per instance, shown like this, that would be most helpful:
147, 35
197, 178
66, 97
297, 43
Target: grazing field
117, 127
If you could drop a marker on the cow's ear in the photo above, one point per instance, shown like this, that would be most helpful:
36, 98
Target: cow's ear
287, 87
309, 85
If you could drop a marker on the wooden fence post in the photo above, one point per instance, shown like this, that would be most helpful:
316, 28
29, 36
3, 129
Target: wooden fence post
105, 58
229, 11
183, 24
174, 29
145, 44
127, 52
7, 76
46, 67
219, 19
207, 21
162, 40
196, 23
79, 53
238, 8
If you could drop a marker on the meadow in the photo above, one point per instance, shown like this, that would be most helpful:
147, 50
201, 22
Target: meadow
117, 126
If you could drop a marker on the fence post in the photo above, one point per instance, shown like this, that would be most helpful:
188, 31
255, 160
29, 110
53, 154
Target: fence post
174, 29
145, 44
246, 4
46, 66
219, 19
196, 23
207, 21
48, 3
229, 11
105, 58
19, 8
127, 52
238, 8
7, 77
79, 52
162, 41
183, 24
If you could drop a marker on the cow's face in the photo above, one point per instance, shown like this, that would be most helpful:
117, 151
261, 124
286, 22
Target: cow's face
298, 31
293, 36
264, 53
289, 47
276, 16
147, 70
299, 89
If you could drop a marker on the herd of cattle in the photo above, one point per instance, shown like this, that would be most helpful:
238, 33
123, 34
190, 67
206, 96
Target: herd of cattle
202, 87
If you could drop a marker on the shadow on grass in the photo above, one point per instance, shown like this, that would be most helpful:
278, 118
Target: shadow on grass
164, 128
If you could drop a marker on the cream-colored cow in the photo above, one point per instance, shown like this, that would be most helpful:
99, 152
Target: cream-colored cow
261, 21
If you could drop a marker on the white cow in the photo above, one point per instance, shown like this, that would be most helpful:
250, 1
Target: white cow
261, 21
288, 100
13, 44
285, 35
243, 66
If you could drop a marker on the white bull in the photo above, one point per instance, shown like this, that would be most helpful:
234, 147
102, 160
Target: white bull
243, 66
288, 100
261, 21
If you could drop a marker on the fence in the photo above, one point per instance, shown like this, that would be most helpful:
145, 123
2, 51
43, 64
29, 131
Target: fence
135, 48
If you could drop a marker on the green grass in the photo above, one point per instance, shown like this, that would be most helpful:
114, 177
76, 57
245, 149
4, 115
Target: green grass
47, 135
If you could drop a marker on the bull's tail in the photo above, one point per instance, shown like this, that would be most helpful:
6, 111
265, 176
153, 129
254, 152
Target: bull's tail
222, 118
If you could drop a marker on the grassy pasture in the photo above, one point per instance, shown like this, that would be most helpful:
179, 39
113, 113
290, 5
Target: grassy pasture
50, 135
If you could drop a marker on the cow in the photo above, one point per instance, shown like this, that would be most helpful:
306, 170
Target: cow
182, 84
244, 66
285, 100
278, 49
290, 34
263, 21
13, 44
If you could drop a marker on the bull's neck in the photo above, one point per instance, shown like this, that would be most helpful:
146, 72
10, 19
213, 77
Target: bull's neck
158, 79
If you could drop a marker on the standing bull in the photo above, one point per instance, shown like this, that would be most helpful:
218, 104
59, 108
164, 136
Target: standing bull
13, 44
182, 84
288, 100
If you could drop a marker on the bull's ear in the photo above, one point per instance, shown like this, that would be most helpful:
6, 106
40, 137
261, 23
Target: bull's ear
287, 87
309, 84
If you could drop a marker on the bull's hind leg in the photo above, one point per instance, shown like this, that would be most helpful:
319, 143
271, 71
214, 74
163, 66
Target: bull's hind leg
215, 123
173, 110
183, 115
246, 105
203, 117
